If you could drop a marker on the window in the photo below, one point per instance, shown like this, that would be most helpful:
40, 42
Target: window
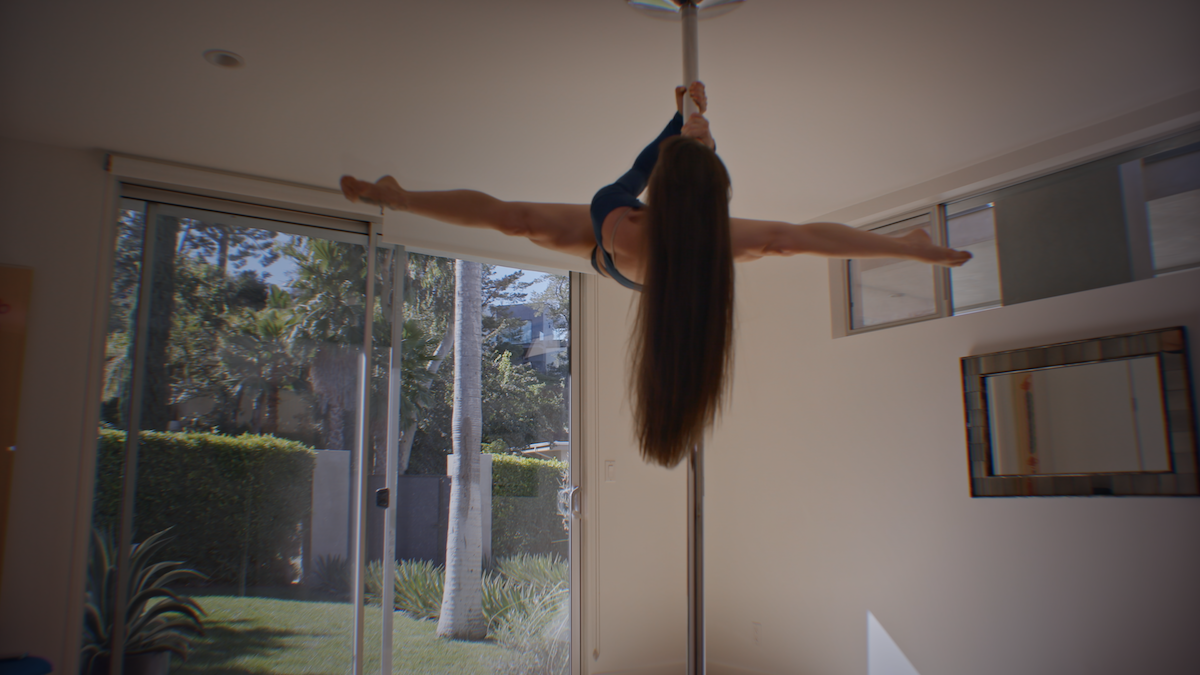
1131, 216
891, 290
1167, 187
252, 430
974, 286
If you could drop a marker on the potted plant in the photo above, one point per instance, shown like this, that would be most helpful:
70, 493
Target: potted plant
158, 621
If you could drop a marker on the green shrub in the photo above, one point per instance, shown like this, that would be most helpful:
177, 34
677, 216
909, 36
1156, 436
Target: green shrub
521, 587
418, 587
238, 506
525, 517
502, 598
516, 476
156, 617
534, 570
331, 574
537, 639
520, 591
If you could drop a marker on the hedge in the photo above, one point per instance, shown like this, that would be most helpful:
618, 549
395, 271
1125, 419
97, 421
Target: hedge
238, 507
525, 517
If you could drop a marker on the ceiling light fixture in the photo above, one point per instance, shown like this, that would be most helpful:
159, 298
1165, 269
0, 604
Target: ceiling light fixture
224, 58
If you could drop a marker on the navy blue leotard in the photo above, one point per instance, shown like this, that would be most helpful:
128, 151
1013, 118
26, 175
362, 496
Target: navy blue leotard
623, 193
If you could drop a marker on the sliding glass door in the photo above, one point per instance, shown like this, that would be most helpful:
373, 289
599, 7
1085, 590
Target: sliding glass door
275, 474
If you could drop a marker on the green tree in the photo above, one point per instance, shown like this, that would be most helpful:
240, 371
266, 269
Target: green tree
520, 405
260, 353
429, 306
207, 305
329, 292
223, 244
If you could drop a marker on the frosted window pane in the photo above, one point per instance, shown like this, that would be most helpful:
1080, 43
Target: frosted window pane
885, 290
975, 285
1175, 230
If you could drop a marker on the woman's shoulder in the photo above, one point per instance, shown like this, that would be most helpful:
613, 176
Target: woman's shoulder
625, 234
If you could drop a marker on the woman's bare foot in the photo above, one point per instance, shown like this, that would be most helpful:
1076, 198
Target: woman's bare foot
923, 249
383, 192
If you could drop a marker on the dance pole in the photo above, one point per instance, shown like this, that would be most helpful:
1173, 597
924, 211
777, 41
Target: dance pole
689, 13
690, 19
695, 487
695, 493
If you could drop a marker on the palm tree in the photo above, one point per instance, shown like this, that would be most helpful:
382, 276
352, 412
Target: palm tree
261, 355
462, 600
330, 291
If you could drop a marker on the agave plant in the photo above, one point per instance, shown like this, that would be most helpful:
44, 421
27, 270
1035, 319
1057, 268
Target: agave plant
526, 591
332, 574
533, 569
418, 585
537, 638
157, 619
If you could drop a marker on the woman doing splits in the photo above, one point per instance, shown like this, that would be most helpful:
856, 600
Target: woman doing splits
678, 249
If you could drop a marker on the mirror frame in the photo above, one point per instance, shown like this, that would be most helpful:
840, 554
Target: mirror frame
1168, 344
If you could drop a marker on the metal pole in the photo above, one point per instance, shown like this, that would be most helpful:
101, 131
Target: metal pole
399, 275
696, 637
690, 21
689, 15
361, 448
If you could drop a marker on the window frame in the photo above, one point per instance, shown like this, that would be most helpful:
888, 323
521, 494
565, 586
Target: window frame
839, 276
172, 184
1137, 228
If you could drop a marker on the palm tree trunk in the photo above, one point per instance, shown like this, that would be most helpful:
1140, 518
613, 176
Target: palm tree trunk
333, 378
462, 601
156, 410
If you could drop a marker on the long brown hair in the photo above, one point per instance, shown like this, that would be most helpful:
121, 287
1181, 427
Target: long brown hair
683, 336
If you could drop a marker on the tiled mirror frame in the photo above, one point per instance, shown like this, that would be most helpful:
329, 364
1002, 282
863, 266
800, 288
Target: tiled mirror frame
1168, 344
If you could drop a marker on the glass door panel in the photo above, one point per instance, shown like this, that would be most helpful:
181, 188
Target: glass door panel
249, 375
522, 579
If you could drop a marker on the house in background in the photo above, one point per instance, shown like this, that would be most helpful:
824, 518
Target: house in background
542, 344
838, 481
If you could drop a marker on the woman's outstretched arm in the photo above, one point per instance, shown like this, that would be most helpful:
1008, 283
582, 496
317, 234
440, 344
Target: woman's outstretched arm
753, 239
566, 228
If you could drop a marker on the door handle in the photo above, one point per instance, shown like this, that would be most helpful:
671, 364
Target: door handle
568, 501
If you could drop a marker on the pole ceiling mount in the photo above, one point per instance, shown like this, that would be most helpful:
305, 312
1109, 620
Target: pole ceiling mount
670, 10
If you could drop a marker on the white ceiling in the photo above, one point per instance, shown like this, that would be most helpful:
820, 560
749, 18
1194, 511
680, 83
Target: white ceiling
816, 104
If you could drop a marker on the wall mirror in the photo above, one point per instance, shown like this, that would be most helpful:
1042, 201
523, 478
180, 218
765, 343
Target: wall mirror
1109, 416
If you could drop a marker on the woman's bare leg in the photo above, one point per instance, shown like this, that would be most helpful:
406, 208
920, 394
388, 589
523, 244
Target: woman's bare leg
566, 228
754, 239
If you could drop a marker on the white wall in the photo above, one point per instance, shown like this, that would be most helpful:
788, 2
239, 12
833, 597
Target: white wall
52, 218
839, 485
635, 555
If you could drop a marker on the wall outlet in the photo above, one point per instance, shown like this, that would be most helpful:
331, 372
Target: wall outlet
756, 633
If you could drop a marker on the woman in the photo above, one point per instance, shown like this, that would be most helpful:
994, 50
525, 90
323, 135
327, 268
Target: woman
678, 250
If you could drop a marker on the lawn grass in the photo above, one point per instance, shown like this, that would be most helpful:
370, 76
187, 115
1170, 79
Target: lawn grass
263, 635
